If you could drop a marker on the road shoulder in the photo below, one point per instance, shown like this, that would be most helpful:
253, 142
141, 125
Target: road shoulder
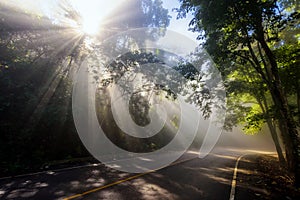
261, 177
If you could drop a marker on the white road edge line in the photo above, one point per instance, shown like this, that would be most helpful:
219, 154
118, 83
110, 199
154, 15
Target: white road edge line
58, 170
49, 171
233, 183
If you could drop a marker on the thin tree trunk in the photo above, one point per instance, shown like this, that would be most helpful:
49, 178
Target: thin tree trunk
262, 101
264, 106
287, 123
275, 138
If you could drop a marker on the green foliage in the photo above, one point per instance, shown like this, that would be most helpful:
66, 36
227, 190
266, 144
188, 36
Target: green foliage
37, 62
234, 32
143, 13
254, 120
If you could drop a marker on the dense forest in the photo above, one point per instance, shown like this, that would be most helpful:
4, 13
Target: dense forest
255, 45
38, 61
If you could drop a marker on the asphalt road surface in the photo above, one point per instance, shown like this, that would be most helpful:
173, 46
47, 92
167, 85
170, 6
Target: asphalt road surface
188, 178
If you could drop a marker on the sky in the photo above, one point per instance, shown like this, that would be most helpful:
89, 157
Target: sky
180, 25
90, 11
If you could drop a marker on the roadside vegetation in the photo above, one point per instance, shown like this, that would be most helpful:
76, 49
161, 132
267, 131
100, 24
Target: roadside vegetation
255, 45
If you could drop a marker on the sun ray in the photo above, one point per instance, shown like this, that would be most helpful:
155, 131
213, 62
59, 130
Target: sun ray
93, 13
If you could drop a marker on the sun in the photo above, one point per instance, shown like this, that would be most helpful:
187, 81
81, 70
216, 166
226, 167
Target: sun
90, 26
93, 13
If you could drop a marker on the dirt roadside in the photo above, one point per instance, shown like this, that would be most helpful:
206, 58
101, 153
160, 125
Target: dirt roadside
261, 177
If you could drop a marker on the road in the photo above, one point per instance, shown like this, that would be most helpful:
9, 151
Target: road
188, 178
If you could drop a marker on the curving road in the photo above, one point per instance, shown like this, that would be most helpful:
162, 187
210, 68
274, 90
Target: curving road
188, 178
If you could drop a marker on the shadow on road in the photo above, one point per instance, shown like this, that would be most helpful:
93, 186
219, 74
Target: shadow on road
208, 178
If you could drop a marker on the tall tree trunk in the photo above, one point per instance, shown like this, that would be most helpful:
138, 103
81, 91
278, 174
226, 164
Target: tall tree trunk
286, 121
262, 101
272, 127
275, 138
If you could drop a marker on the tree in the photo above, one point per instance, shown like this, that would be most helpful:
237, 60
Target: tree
143, 13
232, 29
248, 104
288, 56
37, 60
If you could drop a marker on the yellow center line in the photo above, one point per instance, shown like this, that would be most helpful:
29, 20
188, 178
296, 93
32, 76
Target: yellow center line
122, 181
